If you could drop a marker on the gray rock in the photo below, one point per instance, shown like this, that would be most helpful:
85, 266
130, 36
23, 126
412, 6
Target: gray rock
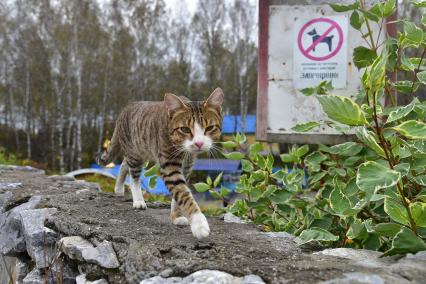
205, 277
10, 185
367, 258
12, 239
81, 279
20, 168
421, 255
5, 198
7, 265
231, 218
252, 279
40, 241
34, 277
22, 268
76, 247
365, 278
161, 280
61, 178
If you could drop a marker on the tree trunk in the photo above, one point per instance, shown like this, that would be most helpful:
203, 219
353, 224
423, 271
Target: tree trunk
103, 110
28, 107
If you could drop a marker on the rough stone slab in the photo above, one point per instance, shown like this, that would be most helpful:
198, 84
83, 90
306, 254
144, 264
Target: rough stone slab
34, 277
9, 185
12, 239
366, 278
76, 247
5, 198
206, 277
231, 218
20, 169
22, 268
362, 257
81, 279
61, 178
40, 241
7, 265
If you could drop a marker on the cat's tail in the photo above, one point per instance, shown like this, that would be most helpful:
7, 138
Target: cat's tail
110, 154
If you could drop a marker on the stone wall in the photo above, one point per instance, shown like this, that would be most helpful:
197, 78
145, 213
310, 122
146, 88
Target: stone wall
59, 230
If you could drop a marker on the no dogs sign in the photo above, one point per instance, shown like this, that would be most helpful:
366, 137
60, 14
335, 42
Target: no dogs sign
320, 52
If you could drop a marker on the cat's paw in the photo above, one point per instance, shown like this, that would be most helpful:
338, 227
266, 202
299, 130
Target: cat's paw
181, 221
199, 226
140, 204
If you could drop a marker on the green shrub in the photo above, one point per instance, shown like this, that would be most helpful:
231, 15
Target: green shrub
370, 193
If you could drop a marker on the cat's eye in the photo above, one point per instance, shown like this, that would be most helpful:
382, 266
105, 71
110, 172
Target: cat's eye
186, 130
209, 128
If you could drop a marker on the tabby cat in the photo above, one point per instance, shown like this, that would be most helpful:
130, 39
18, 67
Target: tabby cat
171, 133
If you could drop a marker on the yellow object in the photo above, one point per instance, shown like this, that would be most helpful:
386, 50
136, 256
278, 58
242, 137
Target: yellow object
110, 165
106, 143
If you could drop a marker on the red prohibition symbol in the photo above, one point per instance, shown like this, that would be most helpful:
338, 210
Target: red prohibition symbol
320, 38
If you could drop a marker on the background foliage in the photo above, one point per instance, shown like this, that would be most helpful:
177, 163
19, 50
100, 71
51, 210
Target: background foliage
67, 68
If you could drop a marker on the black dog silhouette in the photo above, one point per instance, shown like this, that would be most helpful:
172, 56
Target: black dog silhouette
328, 39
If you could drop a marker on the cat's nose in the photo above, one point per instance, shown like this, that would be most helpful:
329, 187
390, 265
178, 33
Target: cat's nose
199, 144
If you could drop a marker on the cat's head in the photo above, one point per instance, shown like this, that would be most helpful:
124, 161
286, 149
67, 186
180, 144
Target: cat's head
194, 125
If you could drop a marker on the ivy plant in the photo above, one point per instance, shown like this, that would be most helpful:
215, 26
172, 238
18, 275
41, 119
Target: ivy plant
369, 193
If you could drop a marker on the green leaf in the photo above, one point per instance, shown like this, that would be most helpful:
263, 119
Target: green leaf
377, 73
209, 181
151, 171
401, 112
412, 129
304, 127
404, 242
406, 87
281, 196
201, 187
255, 148
419, 3
356, 20
229, 144
424, 18
363, 56
247, 166
342, 109
217, 180
372, 176
287, 158
422, 77
343, 8
371, 16
395, 210
301, 151
308, 91
421, 180
339, 202
418, 212
345, 149
357, 230
369, 139
388, 8
314, 160
317, 234
224, 191
234, 156
413, 34
387, 229
152, 182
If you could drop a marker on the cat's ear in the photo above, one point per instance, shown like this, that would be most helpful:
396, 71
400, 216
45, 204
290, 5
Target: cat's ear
173, 103
215, 99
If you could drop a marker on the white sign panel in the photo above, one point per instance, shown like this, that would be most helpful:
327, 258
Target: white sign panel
320, 51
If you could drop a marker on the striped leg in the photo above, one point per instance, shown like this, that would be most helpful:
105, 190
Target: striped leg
176, 215
135, 169
119, 184
172, 174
